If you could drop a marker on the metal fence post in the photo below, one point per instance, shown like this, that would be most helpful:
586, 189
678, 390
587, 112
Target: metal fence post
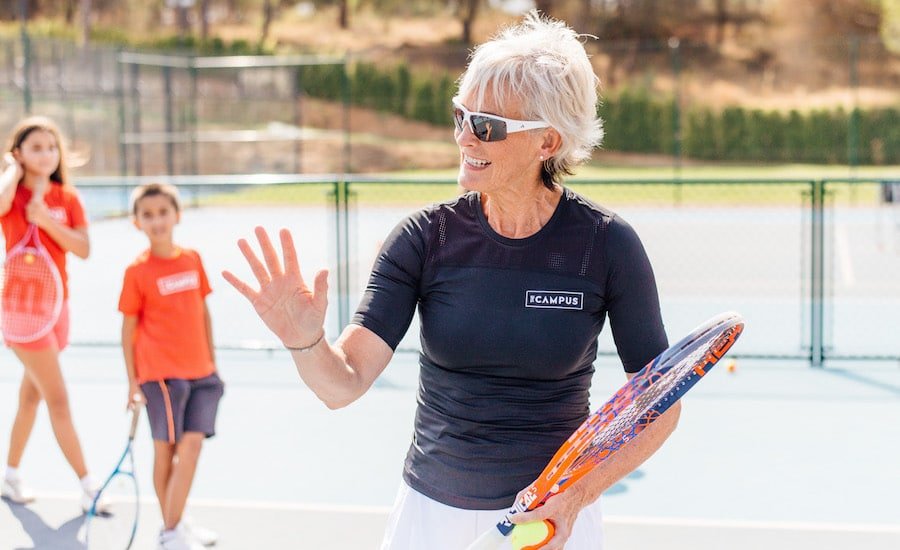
342, 248
26, 57
817, 274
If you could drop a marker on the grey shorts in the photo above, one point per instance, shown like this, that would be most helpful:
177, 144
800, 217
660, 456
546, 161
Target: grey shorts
175, 406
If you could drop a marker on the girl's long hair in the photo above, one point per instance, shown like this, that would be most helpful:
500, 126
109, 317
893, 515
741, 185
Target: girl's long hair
25, 127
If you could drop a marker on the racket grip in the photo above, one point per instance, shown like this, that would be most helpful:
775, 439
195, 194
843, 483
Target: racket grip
490, 540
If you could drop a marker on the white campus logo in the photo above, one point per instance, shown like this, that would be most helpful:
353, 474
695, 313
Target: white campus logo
554, 299
179, 282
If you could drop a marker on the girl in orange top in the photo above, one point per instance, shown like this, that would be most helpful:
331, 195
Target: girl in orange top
35, 188
169, 356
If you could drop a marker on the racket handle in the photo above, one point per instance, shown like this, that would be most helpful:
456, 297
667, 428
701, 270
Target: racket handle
490, 540
135, 415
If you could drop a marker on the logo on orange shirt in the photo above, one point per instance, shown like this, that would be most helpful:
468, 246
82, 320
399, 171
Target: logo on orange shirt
58, 214
179, 282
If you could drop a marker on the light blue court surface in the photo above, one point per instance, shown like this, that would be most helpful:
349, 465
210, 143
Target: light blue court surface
775, 455
770, 456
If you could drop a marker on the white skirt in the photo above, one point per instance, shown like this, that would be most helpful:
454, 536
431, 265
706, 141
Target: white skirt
418, 523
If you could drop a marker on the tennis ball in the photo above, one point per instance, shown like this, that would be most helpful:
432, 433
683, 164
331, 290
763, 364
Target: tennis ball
731, 366
532, 535
29, 258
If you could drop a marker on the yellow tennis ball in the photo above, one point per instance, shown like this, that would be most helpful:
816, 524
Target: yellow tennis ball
29, 258
532, 535
731, 365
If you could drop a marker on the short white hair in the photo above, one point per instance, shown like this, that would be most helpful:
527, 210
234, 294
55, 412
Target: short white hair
543, 63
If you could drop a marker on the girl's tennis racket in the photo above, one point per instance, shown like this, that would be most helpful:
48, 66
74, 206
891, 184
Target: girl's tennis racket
635, 406
113, 524
31, 290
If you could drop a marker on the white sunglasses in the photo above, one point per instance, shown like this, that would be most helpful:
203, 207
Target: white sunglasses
487, 127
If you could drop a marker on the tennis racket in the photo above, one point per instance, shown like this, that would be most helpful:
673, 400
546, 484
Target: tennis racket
112, 521
32, 290
643, 399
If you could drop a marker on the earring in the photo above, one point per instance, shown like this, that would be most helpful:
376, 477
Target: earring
542, 158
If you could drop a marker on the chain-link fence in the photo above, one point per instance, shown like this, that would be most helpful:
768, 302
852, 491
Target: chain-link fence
374, 111
812, 264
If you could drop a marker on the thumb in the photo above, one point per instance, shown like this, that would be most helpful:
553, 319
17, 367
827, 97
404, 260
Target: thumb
538, 514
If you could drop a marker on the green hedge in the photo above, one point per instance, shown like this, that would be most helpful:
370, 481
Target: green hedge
635, 122
396, 90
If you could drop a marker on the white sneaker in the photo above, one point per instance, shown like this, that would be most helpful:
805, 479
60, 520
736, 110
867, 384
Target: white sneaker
16, 491
87, 501
177, 539
206, 537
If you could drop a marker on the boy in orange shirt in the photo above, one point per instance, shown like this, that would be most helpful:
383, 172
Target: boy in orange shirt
169, 355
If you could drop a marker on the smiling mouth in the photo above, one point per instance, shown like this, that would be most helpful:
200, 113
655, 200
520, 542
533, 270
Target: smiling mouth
477, 163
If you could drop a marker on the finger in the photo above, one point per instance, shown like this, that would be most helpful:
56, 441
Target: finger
538, 514
320, 288
240, 285
271, 257
259, 270
289, 251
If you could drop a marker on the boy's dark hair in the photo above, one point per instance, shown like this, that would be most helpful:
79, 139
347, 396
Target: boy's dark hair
152, 190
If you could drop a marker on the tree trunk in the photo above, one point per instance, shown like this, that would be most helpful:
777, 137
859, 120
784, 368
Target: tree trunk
268, 14
85, 21
69, 9
721, 20
204, 19
184, 23
544, 6
470, 12
343, 14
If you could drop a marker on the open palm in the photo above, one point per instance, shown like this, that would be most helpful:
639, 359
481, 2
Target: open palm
292, 311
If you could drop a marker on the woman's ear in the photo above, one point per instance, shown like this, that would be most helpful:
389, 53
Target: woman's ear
551, 144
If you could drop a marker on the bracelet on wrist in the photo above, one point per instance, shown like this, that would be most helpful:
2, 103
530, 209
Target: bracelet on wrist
309, 347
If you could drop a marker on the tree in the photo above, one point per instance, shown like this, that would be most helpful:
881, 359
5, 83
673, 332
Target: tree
544, 6
468, 13
204, 19
85, 21
343, 14
268, 15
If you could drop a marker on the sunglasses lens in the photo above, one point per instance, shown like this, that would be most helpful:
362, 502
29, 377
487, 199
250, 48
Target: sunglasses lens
488, 128
458, 118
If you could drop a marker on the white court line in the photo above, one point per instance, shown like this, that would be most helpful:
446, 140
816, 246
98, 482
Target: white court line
842, 251
767, 525
809, 526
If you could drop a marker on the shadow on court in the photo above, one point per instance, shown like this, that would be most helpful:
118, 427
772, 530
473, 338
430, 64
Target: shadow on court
44, 536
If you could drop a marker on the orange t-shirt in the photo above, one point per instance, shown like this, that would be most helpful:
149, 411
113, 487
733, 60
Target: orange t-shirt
65, 207
167, 296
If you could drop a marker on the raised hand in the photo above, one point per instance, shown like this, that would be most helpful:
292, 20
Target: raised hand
13, 166
292, 311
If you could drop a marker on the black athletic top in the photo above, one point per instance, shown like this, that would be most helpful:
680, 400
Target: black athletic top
508, 336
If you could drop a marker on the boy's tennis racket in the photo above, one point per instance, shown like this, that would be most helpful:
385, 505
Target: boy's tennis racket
32, 291
638, 403
112, 521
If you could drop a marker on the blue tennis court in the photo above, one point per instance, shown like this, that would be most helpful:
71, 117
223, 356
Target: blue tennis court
773, 455
785, 456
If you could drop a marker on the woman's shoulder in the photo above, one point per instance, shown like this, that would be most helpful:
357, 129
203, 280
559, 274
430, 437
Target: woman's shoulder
460, 206
584, 206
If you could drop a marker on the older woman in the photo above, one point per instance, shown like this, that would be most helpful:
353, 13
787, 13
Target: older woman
513, 282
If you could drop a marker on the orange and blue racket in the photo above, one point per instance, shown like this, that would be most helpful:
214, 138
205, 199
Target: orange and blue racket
31, 290
643, 399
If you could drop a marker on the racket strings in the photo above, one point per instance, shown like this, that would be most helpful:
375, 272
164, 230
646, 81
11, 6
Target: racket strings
31, 295
630, 419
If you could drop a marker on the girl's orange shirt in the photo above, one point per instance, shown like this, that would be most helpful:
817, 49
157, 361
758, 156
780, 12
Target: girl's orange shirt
65, 207
167, 295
